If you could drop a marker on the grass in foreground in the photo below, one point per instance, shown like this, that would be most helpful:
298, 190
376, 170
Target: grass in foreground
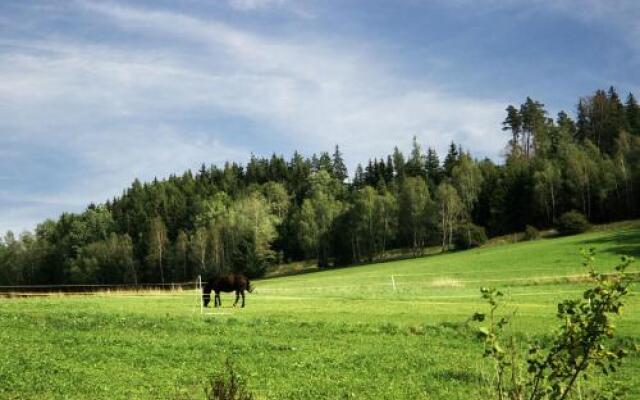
334, 334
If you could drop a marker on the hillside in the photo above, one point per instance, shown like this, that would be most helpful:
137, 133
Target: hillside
331, 334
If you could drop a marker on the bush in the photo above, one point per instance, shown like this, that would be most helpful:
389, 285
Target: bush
572, 222
227, 387
469, 236
531, 233
552, 368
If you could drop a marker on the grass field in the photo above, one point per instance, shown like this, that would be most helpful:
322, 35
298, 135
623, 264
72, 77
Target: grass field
335, 334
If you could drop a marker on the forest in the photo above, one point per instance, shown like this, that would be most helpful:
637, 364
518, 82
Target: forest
247, 217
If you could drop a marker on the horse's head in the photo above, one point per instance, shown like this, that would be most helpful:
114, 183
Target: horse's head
249, 287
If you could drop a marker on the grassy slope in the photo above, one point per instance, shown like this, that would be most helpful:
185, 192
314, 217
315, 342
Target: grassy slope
334, 334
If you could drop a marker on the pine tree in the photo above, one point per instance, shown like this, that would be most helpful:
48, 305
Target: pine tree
434, 170
513, 123
369, 174
315, 163
451, 159
358, 178
202, 173
533, 127
398, 163
339, 168
615, 122
565, 122
388, 173
584, 129
415, 165
325, 163
632, 111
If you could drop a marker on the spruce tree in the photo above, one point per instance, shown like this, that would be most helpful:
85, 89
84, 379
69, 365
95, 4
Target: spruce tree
358, 178
398, 163
415, 165
434, 171
632, 111
584, 129
451, 159
615, 121
388, 173
565, 122
325, 163
339, 168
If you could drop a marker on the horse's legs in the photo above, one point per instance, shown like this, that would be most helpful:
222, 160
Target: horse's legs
206, 298
218, 303
237, 297
242, 293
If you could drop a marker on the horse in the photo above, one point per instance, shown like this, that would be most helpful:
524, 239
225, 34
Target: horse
229, 283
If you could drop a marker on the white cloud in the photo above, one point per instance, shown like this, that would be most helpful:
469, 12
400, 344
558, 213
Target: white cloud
255, 4
121, 109
295, 7
325, 92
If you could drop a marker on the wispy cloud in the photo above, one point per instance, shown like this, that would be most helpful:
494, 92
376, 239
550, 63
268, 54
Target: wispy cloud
319, 92
154, 91
255, 4
117, 112
295, 7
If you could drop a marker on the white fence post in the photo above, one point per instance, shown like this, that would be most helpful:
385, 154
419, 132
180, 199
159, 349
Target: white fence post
393, 283
199, 293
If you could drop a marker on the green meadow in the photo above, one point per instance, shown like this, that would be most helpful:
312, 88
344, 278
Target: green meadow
395, 330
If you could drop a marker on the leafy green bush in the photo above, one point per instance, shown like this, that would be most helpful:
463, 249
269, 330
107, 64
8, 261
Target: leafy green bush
581, 345
572, 222
531, 233
469, 235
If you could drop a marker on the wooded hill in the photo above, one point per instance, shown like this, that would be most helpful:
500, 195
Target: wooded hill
273, 210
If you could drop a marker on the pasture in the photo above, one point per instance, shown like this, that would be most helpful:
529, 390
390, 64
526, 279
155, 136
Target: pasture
386, 331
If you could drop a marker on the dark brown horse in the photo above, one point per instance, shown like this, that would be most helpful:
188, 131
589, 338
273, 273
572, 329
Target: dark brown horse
229, 283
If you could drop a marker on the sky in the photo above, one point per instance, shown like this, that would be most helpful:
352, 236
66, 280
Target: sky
94, 94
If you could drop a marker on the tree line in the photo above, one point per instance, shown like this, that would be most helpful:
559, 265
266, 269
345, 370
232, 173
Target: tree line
273, 210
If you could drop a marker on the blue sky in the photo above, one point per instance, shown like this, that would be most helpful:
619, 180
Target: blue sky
94, 94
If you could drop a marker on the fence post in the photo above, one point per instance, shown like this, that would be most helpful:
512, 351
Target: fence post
393, 283
199, 293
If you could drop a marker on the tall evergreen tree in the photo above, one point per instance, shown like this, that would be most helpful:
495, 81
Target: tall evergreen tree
398, 163
358, 177
325, 163
565, 122
632, 111
513, 123
339, 168
415, 165
534, 136
389, 170
451, 159
433, 168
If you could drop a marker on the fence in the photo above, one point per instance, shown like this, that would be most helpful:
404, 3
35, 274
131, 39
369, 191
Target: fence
90, 288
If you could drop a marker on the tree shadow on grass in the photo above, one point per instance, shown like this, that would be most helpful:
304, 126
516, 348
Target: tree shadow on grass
624, 242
